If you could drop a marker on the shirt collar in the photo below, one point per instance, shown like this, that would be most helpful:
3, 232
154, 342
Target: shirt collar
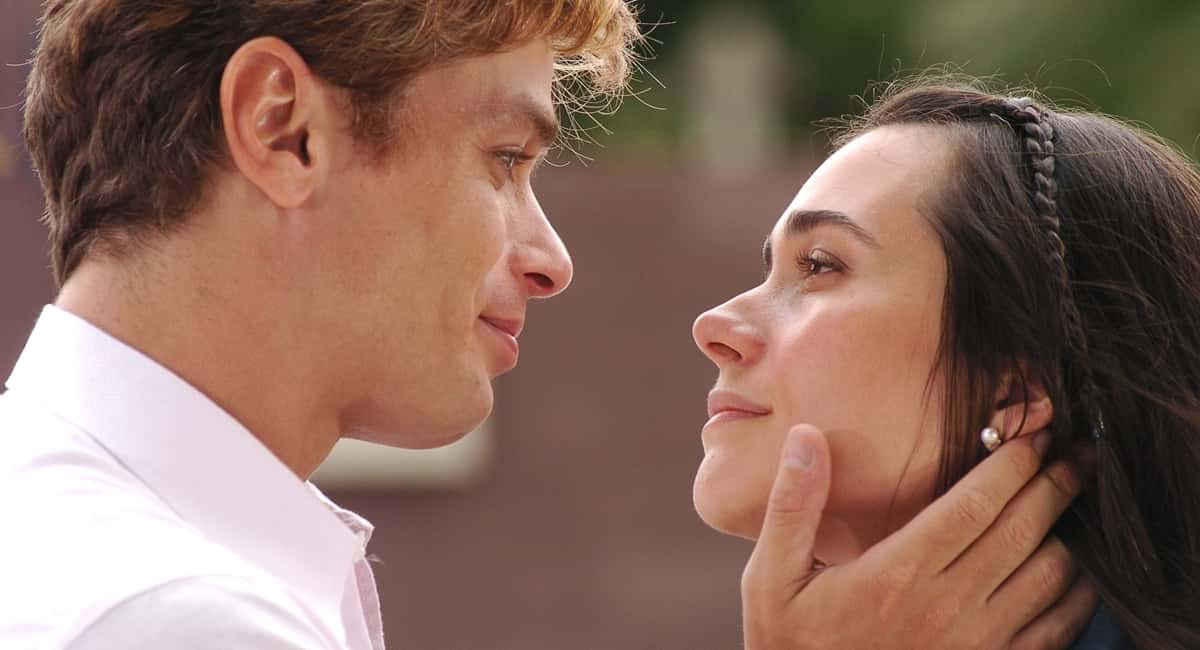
196, 457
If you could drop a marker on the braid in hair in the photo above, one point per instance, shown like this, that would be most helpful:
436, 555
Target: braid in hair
1037, 136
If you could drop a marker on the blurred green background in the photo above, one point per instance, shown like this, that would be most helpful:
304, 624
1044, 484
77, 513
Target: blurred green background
1131, 58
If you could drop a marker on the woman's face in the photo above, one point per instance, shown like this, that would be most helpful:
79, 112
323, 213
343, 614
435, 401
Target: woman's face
841, 335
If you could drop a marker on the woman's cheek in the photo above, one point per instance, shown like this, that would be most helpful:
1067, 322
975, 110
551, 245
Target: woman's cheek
857, 369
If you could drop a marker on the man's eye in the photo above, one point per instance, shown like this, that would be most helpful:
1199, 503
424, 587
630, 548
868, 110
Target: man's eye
512, 159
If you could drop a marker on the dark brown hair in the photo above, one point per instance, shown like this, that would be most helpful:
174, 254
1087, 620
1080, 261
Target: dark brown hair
122, 114
1072, 246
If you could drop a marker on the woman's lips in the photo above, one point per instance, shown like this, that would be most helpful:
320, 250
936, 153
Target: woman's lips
724, 406
727, 416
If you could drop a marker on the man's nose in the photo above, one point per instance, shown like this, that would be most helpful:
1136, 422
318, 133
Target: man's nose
542, 260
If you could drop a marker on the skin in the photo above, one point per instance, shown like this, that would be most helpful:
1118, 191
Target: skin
842, 335
339, 294
973, 570
336, 294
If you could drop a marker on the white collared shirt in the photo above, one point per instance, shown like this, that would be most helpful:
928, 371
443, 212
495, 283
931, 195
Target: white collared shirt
139, 514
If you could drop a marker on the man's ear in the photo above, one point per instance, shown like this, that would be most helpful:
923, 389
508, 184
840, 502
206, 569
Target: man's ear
273, 110
1022, 406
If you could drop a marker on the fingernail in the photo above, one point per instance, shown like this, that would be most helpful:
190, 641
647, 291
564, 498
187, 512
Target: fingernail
799, 453
1041, 442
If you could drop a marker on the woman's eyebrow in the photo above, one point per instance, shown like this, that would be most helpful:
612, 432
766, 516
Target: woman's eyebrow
801, 221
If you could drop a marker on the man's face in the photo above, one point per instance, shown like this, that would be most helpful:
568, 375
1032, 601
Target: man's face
429, 259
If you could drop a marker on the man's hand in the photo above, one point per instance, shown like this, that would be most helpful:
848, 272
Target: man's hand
974, 570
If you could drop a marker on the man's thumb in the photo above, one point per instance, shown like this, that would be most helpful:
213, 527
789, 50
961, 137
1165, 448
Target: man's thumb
784, 553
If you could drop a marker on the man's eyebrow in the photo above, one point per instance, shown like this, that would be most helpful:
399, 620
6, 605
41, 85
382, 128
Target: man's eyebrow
802, 221
528, 110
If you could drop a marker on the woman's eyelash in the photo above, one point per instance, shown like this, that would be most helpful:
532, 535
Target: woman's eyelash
816, 262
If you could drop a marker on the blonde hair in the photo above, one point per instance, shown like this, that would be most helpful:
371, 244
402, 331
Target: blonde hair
122, 114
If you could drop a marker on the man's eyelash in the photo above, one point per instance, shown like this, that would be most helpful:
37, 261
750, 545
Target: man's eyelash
513, 159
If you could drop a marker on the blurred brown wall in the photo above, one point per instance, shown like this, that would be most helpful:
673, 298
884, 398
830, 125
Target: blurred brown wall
583, 534
25, 280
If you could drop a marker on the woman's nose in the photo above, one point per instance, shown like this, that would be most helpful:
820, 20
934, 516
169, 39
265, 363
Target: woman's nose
726, 337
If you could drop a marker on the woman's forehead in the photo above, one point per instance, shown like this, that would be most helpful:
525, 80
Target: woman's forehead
876, 178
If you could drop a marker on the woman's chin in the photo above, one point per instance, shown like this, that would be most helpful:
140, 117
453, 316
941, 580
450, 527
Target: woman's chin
727, 510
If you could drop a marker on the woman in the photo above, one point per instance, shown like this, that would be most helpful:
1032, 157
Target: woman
969, 267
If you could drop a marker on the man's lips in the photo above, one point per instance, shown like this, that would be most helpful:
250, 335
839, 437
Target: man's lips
504, 332
728, 405
510, 326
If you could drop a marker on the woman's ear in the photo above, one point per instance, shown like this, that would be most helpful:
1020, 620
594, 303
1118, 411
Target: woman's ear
1022, 406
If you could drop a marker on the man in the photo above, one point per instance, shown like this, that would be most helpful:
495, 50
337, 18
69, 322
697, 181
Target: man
278, 222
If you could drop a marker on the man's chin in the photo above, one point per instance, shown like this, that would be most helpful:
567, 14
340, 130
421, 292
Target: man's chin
435, 427
411, 439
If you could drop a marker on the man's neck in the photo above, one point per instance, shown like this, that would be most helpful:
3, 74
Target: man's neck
224, 335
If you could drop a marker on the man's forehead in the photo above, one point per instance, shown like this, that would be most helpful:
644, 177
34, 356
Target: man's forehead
514, 99
522, 108
521, 76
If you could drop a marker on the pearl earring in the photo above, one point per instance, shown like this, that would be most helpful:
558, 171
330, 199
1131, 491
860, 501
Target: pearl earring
991, 439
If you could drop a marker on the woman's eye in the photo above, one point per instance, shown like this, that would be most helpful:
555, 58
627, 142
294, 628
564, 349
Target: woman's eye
817, 263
